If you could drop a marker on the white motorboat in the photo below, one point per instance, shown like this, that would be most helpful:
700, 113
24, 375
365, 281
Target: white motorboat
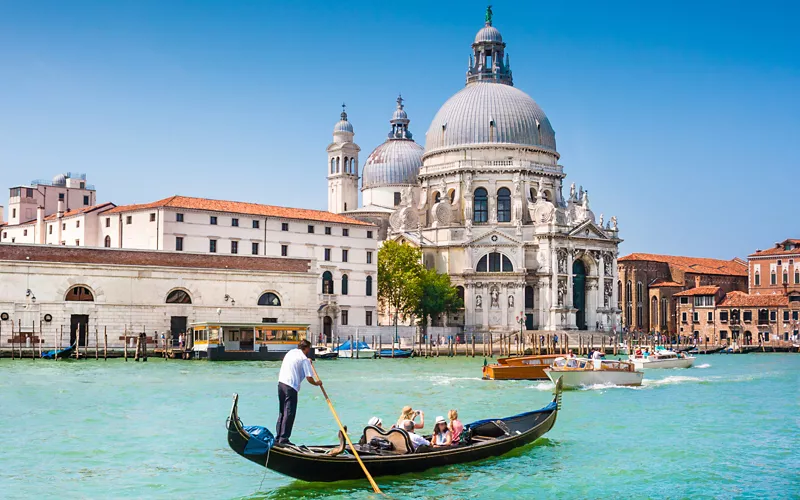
322, 352
661, 358
355, 350
581, 372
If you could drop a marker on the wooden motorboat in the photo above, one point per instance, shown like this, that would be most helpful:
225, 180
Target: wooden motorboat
581, 372
481, 439
661, 358
520, 368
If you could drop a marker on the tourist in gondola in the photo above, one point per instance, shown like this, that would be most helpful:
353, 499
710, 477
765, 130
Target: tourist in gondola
456, 427
376, 422
411, 414
441, 434
295, 367
416, 439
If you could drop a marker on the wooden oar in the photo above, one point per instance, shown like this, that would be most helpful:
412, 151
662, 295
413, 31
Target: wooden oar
344, 432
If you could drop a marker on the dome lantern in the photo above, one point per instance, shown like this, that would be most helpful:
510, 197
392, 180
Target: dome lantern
488, 50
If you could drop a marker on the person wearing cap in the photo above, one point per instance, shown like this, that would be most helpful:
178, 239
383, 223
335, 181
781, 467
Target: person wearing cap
375, 422
409, 413
441, 434
416, 439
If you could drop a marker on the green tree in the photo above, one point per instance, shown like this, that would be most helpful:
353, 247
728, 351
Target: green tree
399, 271
436, 296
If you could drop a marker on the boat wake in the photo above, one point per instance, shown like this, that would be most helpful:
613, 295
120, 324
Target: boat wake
542, 386
671, 380
704, 365
445, 380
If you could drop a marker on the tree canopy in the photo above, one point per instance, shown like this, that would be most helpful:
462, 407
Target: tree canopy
437, 296
399, 271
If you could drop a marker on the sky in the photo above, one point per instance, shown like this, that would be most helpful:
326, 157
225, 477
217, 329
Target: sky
680, 118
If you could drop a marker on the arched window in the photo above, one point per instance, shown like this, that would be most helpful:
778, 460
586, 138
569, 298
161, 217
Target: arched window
628, 291
327, 282
179, 297
503, 205
452, 195
346, 165
369, 286
269, 299
352, 165
337, 165
460, 292
664, 312
333, 165
107, 242
639, 291
344, 284
436, 197
654, 311
494, 262
79, 294
481, 206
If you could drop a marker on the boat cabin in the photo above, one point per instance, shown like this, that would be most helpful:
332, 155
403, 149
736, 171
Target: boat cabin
245, 341
579, 364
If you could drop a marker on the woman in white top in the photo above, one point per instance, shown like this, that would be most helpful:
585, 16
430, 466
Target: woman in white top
441, 434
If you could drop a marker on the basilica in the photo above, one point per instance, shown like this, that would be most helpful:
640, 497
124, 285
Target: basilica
484, 201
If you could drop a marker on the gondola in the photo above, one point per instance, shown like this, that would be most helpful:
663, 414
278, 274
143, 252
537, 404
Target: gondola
59, 353
482, 439
395, 353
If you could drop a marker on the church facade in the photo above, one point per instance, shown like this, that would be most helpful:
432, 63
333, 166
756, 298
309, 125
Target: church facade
484, 201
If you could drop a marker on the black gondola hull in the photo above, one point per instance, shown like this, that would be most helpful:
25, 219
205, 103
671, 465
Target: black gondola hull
324, 468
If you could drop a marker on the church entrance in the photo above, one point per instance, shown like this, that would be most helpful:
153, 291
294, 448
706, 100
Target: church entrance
579, 293
327, 325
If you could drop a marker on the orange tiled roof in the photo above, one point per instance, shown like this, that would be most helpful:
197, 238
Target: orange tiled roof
663, 283
241, 207
700, 290
741, 299
698, 265
84, 210
778, 249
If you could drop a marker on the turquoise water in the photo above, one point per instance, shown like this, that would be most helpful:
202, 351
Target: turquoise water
727, 428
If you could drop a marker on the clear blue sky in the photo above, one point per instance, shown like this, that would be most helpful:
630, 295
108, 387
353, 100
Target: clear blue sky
680, 118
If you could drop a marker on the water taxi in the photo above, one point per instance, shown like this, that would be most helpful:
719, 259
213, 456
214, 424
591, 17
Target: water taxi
578, 372
661, 358
323, 352
245, 341
520, 368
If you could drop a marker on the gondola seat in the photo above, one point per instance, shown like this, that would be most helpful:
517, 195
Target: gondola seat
398, 437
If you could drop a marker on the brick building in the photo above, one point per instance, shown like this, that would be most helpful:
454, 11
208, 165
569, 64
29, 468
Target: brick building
777, 269
648, 282
712, 316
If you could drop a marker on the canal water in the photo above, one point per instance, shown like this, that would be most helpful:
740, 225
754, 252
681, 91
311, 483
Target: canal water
727, 428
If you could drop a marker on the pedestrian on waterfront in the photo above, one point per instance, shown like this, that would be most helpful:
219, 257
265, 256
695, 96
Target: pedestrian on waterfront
180, 341
456, 427
294, 368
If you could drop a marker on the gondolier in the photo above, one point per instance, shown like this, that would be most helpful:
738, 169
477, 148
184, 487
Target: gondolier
294, 368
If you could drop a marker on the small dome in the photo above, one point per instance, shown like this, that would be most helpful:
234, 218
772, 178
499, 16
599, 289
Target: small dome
488, 34
343, 125
400, 114
60, 180
489, 113
396, 161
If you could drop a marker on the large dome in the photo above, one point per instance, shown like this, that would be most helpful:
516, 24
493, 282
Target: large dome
393, 162
489, 113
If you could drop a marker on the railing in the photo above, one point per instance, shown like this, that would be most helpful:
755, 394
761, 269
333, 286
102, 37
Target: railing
520, 164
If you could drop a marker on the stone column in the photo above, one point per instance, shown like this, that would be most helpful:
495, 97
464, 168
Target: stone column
552, 315
591, 301
503, 303
615, 294
469, 306
544, 302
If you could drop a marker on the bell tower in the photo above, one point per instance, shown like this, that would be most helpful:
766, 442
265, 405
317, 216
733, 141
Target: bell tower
343, 168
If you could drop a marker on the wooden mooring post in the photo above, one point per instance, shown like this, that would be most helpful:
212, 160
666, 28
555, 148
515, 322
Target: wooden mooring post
105, 343
96, 343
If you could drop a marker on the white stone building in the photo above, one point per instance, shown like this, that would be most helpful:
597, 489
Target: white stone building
484, 202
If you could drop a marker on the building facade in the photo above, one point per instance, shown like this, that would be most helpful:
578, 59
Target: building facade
64, 293
648, 284
483, 200
777, 269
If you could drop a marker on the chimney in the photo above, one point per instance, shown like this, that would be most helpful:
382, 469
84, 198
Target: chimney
696, 281
1, 215
59, 217
40, 235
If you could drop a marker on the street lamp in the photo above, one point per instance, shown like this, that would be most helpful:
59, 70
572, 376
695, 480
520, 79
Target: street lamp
228, 297
521, 321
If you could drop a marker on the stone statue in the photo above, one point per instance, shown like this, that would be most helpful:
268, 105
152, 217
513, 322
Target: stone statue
468, 184
510, 301
489, 15
478, 302
562, 262
572, 192
562, 292
580, 194
614, 222
585, 199
600, 222
495, 297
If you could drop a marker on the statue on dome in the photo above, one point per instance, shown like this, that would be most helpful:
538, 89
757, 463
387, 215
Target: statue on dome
572, 192
614, 222
489, 15
600, 222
